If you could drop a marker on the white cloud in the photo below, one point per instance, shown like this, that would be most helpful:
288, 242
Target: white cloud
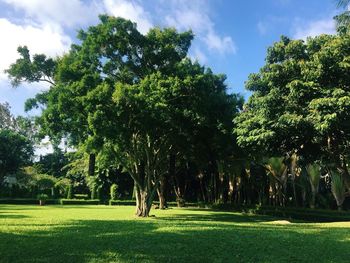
303, 30
221, 44
199, 56
131, 10
262, 28
43, 39
63, 12
194, 14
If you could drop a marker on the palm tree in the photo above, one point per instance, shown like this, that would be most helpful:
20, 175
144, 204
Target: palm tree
343, 20
277, 171
343, 3
338, 189
313, 171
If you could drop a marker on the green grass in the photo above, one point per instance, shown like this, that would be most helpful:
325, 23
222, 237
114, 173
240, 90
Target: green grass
112, 234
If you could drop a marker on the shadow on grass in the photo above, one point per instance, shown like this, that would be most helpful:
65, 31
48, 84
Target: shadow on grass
218, 217
8, 215
181, 238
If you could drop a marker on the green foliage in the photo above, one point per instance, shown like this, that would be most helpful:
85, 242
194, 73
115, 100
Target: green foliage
15, 152
62, 185
7, 120
27, 69
53, 163
81, 196
343, 23
26, 201
314, 173
42, 197
276, 166
44, 181
300, 101
114, 191
338, 188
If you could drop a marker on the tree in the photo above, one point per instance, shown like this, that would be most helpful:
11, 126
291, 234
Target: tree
300, 102
343, 3
314, 173
343, 20
15, 152
7, 120
133, 98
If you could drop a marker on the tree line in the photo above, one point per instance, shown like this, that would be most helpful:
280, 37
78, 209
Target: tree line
140, 114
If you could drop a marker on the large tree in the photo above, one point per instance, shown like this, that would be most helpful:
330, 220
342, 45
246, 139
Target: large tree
300, 102
132, 96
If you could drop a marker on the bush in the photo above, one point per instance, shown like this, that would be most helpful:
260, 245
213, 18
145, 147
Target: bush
63, 185
133, 202
79, 202
42, 197
26, 201
45, 181
114, 191
81, 196
122, 202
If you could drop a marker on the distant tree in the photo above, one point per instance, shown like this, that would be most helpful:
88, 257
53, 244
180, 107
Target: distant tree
7, 120
343, 20
15, 152
53, 163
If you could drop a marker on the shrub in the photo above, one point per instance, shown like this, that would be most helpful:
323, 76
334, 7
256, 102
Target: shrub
42, 197
63, 185
79, 202
81, 196
26, 201
133, 202
122, 202
114, 191
45, 181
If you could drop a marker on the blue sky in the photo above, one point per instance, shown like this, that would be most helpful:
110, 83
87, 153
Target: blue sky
231, 35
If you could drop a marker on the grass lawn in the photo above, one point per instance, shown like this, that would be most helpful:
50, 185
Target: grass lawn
112, 234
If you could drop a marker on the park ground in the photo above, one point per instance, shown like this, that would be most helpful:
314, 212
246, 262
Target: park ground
113, 234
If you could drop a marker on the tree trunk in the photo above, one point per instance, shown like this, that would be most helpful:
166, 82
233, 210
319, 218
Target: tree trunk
161, 194
92, 161
345, 174
313, 198
231, 188
143, 203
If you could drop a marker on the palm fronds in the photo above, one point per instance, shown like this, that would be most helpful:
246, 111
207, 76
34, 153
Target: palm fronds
338, 188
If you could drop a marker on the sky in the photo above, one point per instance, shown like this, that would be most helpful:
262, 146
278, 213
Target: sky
231, 36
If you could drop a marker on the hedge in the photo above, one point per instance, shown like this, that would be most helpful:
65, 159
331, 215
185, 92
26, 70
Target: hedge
306, 214
122, 202
27, 201
81, 196
79, 202
133, 203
